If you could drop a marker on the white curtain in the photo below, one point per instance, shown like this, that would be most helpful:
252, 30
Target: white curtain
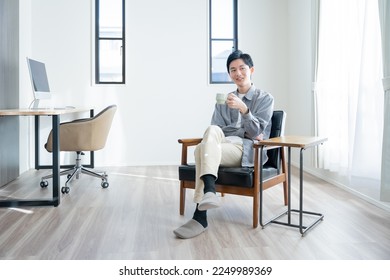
349, 88
384, 13
314, 33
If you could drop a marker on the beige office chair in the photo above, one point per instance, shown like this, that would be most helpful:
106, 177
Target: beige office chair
80, 136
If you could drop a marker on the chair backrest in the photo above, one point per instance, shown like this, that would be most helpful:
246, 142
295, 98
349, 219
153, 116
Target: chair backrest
88, 134
102, 122
277, 130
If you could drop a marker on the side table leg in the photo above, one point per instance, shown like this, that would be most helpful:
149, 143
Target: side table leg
261, 188
301, 191
289, 186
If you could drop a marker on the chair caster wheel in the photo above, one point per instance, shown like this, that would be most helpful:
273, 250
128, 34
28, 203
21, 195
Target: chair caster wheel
105, 184
65, 190
44, 184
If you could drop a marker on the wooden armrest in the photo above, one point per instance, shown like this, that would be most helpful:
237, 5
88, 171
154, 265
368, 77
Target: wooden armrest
258, 145
185, 144
190, 141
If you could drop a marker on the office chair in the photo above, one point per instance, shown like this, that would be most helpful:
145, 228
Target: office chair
81, 135
242, 180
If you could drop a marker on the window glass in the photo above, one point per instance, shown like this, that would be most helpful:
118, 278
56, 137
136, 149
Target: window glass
110, 58
222, 19
220, 50
110, 19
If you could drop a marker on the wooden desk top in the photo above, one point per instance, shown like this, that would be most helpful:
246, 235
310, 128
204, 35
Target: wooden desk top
40, 112
294, 141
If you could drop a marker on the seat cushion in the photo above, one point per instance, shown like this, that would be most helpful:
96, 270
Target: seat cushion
234, 176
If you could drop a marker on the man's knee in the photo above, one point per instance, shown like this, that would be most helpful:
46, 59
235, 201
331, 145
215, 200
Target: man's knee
214, 128
213, 131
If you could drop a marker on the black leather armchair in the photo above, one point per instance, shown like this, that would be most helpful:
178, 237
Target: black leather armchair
242, 180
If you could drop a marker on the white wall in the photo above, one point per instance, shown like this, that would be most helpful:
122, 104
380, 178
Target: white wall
167, 95
299, 96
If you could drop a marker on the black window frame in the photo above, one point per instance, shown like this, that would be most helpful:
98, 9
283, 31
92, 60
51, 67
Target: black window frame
234, 40
97, 44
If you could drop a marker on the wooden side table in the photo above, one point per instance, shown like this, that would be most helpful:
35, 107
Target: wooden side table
303, 143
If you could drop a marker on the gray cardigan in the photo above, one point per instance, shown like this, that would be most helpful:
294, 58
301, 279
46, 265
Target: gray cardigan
257, 121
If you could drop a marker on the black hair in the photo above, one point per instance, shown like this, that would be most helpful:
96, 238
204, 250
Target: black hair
239, 55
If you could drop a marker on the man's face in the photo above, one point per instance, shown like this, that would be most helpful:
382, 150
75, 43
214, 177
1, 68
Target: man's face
240, 73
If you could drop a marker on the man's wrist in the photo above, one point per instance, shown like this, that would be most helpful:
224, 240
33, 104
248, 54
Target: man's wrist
245, 112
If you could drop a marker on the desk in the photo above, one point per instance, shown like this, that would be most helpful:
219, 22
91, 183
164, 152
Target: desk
303, 143
55, 114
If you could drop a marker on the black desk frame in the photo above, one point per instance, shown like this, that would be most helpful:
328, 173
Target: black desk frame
302, 228
55, 201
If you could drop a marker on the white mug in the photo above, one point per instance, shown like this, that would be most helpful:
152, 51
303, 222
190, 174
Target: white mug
221, 98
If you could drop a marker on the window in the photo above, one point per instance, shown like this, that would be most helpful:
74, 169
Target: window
223, 37
110, 41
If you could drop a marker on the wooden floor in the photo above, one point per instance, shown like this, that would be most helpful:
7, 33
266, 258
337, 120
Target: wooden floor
134, 219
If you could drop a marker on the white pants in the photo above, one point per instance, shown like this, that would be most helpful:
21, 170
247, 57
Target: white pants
212, 152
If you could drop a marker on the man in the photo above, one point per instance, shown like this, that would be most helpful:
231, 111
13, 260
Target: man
245, 116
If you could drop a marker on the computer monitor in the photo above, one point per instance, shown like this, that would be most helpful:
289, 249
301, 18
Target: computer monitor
39, 81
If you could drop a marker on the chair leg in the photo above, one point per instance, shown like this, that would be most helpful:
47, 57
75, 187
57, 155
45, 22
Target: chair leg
182, 198
256, 210
284, 170
285, 192
64, 172
102, 175
76, 172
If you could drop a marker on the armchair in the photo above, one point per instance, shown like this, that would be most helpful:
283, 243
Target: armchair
242, 180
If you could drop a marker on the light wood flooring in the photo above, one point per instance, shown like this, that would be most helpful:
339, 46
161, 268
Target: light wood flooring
134, 219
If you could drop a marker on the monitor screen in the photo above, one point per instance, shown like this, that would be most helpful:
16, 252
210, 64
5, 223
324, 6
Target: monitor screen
39, 81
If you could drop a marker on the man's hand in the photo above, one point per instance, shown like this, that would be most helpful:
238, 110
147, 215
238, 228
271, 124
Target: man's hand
260, 137
235, 102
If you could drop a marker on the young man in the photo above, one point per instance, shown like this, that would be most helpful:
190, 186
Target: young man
245, 116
